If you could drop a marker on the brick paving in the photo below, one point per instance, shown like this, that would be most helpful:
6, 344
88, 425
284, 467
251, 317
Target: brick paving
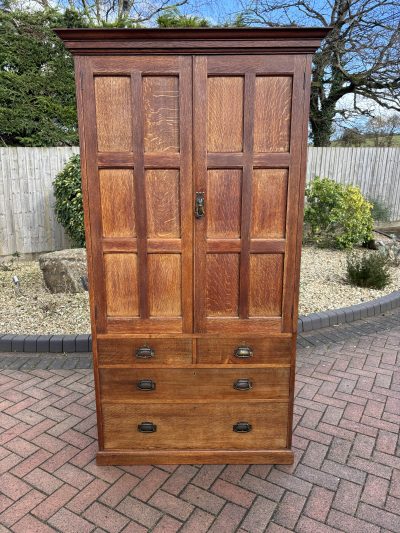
346, 475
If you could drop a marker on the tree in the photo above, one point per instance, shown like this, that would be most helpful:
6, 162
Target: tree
37, 91
351, 137
383, 128
360, 56
117, 13
172, 18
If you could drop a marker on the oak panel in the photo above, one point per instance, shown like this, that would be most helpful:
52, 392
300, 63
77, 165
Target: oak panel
117, 203
162, 203
273, 96
113, 113
268, 217
268, 350
121, 284
191, 425
164, 285
161, 113
222, 284
120, 351
121, 384
223, 203
225, 114
265, 294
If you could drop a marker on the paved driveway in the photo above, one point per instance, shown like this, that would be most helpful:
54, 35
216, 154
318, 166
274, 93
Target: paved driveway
346, 476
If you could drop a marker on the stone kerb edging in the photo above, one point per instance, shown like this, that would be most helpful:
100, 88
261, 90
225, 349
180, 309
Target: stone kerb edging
83, 343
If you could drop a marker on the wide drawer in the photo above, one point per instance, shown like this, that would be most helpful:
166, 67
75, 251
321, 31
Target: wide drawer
261, 350
144, 350
196, 426
155, 384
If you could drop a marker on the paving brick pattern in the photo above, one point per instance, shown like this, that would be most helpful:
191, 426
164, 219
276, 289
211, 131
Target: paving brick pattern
346, 475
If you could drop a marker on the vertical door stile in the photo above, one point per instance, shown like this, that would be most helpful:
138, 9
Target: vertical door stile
140, 195
200, 181
186, 190
91, 157
247, 178
295, 146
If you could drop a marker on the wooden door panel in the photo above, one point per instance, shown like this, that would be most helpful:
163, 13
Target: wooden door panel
225, 114
222, 285
117, 189
224, 203
113, 113
140, 186
121, 281
273, 102
247, 164
164, 281
163, 203
161, 113
265, 288
268, 216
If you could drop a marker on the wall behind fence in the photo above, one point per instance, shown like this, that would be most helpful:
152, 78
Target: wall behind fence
28, 223
27, 220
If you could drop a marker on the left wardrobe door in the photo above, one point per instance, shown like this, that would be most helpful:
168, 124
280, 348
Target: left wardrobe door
136, 141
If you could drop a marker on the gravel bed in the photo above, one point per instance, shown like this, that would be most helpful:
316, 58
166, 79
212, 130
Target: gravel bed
33, 309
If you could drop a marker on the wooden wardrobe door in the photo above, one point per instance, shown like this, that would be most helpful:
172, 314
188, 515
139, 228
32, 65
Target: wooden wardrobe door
248, 131
137, 145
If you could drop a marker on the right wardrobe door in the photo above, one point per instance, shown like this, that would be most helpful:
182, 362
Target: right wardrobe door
247, 132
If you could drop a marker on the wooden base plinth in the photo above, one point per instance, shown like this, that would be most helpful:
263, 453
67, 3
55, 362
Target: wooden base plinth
165, 457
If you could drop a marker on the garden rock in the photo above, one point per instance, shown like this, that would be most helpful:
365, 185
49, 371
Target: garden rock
64, 270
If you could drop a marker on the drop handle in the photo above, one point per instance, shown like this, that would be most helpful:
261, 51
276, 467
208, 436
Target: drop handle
243, 352
242, 427
146, 384
199, 205
147, 427
243, 384
144, 352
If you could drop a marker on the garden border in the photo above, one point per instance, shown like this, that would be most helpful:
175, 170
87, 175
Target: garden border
83, 343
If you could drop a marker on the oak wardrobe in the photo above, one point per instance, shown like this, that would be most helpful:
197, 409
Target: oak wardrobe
193, 149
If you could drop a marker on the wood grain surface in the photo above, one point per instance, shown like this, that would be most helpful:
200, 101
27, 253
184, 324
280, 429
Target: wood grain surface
273, 97
121, 283
225, 114
268, 220
113, 113
163, 203
117, 189
197, 384
161, 113
196, 426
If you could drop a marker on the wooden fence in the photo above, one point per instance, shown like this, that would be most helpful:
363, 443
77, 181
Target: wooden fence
27, 220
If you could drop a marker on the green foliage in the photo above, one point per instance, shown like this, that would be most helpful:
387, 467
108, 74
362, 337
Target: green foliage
336, 215
173, 18
370, 270
37, 90
68, 192
380, 212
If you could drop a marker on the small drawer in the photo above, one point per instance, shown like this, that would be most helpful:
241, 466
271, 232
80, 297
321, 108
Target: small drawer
261, 350
257, 425
141, 350
155, 384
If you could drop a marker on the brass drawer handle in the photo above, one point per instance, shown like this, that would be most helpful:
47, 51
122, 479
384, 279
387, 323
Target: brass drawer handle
144, 352
243, 384
147, 427
243, 352
242, 427
146, 384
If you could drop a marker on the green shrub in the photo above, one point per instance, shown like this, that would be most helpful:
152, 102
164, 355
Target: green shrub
380, 212
68, 192
369, 270
336, 215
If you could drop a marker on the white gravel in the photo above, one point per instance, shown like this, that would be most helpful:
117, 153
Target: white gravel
33, 309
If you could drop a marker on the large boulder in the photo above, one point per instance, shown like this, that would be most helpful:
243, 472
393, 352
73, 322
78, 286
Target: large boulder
65, 270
